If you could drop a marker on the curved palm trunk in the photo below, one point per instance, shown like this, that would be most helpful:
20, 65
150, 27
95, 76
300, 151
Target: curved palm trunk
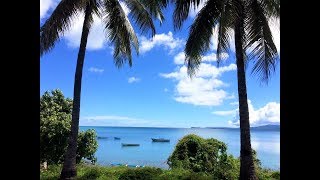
247, 170
69, 165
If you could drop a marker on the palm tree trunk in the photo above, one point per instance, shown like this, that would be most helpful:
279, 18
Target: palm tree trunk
247, 170
69, 166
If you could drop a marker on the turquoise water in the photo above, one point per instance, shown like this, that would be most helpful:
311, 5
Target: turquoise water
110, 151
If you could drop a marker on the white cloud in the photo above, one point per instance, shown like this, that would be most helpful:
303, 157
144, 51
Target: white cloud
204, 89
96, 70
166, 90
45, 6
180, 57
269, 114
234, 103
96, 38
225, 113
165, 40
133, 79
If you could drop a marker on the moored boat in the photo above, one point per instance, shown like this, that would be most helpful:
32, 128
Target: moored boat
126, 144
160, 140
99, 137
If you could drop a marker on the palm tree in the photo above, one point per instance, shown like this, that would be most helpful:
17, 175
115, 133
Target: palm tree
119, 32
249, 21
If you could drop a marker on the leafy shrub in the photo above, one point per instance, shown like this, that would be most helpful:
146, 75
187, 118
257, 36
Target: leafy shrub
55, 124
204, 155
92, 174
147, 173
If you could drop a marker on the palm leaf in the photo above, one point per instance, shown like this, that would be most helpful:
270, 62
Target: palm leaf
120, 32
141, 16
58, 23
200, 32
155, 8
271, 8
225, 26
181, 11
260, 41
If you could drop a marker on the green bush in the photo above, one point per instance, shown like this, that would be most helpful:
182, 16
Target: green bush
147, 173
55, 123
204, 155
92, 174
183, 174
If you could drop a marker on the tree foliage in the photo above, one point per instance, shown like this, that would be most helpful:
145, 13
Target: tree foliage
204, 155
55, 120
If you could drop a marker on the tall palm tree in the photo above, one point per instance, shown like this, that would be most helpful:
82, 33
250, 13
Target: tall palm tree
119, 32
249, 21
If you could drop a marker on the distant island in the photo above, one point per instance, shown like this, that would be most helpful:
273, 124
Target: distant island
265, 127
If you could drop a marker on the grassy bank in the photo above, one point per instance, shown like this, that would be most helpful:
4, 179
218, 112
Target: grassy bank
122, 173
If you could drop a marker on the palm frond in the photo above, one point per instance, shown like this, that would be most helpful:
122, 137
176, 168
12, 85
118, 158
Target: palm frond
120, 32
155, 8
181, 11
226, 22
141, 15
200, 33
58, 23
260, 41
271, 8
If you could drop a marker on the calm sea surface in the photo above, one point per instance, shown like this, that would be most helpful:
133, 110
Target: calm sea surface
110, 151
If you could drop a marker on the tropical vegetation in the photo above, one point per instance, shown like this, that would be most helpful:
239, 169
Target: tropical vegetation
55, 121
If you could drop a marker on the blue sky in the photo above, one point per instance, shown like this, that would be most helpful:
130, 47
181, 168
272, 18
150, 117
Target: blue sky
156, 90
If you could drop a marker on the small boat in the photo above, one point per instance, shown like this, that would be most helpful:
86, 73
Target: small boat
125, 144
160, 140
99, 137
117, 138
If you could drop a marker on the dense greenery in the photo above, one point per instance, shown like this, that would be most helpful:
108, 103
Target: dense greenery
114, 173
204, 155
55, 119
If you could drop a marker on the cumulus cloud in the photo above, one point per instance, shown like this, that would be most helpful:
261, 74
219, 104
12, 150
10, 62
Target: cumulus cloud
269, 114
165, 40
96, 70
180, 57
133, 79
45, 6
224, 113
204, 89
166, 90
234, 103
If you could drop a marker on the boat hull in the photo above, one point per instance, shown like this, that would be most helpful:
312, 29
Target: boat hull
160, 140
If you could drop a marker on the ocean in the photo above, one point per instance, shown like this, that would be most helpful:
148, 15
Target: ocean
110, 151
